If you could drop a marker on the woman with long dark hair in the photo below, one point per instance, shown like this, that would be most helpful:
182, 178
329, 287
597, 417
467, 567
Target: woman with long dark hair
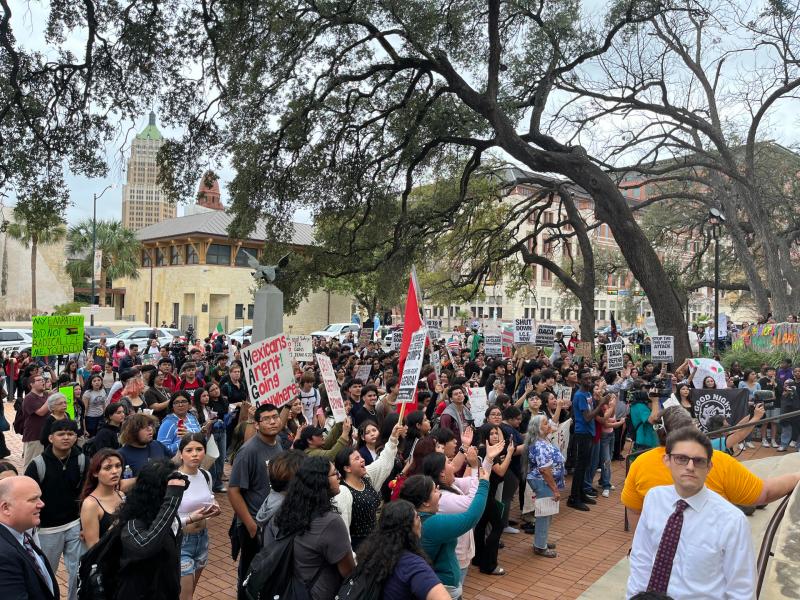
100, 497
322, 552
440, 532
418, 427
150, 535
392, 559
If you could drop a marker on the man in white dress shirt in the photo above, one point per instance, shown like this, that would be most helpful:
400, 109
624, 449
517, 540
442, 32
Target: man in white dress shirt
691, 543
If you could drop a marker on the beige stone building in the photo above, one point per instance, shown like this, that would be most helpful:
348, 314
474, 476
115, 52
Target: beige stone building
192, 272
53, 285
143, 202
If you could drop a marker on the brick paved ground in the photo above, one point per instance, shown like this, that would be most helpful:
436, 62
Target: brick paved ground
588, 545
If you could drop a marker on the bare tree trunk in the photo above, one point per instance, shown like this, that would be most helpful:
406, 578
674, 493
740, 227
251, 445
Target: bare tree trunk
102, 300
34, 249
587, 317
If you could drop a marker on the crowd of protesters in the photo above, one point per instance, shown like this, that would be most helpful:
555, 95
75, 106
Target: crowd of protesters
401, 500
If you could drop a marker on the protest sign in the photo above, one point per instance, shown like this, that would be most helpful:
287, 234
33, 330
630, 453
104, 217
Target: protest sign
616, 361
527, 352
437, 363
268, 372
69, 394
397, 339
478, 403
492, 342
523, 331
563, 393
301, 348
434, 328
583, 349
560, 437
733, 403
545, 335
54, 335
332, 388
722, 326
365, 336
650, 326
412, 367
363, 373
663, 348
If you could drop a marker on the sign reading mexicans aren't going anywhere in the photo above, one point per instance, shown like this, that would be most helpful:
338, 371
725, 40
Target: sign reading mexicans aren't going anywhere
268, 372
54, 335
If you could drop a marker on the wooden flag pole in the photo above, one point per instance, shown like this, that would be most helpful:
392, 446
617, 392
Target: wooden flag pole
402, 412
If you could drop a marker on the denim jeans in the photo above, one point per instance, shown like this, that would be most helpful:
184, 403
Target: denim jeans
69, 544
218, 468
606, 450
541, 490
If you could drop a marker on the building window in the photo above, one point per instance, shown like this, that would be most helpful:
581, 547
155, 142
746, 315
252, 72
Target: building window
146, 262
499, 312
161, 260
191, 255
250, 309
241, 256
218, 255
547, 277
239, 312
175, 255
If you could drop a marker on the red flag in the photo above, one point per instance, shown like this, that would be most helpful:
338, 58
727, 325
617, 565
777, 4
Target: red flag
411, 323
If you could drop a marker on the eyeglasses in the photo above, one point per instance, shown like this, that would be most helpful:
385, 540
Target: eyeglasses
335, 475
700, 462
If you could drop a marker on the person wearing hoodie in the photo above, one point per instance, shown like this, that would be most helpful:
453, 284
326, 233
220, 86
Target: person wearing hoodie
178, 422
281, 472
456, 416
440, 532
107, 435
312, 442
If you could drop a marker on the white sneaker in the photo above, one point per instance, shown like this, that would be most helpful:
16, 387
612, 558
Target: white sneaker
613, 487
775, 444
750, 445
606, 493
765, 443
510, 529
792, 444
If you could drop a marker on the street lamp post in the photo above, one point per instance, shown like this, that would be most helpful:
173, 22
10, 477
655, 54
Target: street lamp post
94, 241
716, 219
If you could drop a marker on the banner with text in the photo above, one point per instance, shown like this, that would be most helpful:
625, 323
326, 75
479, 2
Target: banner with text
545, 335
616, 361
583, 349
663, 348
268, 372
332, 388
301, 348
492, 342
412, 367
523, 331
363, 373
434, 326
733, 403
365, 336
54, 335
397, 339
478, 403
769, 336
437, 363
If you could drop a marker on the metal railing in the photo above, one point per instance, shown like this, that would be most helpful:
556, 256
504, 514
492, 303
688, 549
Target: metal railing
765, 552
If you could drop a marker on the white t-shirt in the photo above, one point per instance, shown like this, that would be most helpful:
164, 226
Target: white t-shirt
310, 401
197, 495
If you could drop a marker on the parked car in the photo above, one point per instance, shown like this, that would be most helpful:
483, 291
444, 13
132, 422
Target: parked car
141, 336
15, 339
96, 331
241, 334
566, 330
338, 331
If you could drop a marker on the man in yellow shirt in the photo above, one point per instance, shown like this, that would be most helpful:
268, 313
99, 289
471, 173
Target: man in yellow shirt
729, 478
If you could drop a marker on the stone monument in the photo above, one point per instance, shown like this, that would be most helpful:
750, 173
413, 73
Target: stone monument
268, 299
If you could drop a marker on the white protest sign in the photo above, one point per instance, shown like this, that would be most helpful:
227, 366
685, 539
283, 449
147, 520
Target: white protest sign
478, 403
663, 348
412, 366
563, 393
363, 373
397, 339
437, 363
492, 342
332, 387
523, 331
616, 361
722, 325
545, 335
268, 372
301, 348
434, 328
650, 326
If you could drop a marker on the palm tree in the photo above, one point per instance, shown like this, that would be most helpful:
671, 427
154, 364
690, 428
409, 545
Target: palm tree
120, 249
33, 233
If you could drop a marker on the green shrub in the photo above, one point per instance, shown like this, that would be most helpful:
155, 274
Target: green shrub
750, 359
68, 308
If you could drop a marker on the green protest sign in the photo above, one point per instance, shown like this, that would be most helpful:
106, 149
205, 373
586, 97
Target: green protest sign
69, 392
54, 335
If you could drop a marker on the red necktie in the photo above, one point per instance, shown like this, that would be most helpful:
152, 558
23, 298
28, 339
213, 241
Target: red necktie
662, 567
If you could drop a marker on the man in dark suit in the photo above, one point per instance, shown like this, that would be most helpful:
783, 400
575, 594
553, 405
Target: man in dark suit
24, 571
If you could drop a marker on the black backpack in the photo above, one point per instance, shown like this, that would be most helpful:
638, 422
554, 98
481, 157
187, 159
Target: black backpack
359, 587
98, 570
271, 574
